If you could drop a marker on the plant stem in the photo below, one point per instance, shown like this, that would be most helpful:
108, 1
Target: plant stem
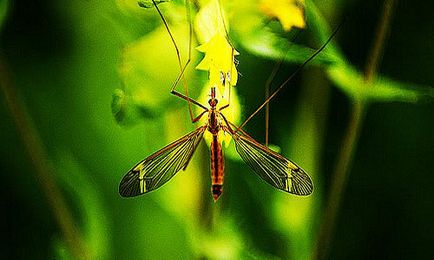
43, 168
339, 182
349, 143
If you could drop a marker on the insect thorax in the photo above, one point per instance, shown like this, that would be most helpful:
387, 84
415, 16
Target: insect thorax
214, 121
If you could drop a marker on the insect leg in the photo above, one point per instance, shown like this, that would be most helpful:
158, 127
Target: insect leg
182, 68
267, 94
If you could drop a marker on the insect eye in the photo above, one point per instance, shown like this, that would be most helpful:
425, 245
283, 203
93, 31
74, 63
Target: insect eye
213, 102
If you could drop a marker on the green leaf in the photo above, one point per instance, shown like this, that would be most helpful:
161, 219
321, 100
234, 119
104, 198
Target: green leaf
266, 44
351, 81
148, 69
318, 24
265, 41
383, 89
149, 3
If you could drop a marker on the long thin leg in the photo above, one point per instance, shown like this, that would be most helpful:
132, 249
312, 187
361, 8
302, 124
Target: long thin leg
182, 68
289, 79
267, 94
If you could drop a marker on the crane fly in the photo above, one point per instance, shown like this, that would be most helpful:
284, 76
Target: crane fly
157, 169
160, 167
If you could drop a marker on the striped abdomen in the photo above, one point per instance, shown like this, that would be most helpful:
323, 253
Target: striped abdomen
217, 168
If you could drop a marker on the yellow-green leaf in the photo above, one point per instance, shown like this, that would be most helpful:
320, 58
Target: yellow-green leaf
382, 89
148, 70
219, 54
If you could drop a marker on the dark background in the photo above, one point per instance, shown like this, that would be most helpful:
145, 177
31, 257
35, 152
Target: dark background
63, 60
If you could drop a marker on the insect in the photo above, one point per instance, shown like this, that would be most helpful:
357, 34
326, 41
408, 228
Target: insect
157, 169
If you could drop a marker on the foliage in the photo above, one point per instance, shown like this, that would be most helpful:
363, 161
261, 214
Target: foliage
118, 53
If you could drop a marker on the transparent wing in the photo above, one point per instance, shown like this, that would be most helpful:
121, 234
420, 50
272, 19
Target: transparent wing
160, 167
271, 166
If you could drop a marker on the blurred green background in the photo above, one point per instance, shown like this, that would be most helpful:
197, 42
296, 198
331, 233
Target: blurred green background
69, 61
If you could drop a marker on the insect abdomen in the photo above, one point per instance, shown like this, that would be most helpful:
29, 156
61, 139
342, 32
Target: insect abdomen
217, 168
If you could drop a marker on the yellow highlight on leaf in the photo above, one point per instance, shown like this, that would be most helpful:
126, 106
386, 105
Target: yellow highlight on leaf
219, 61
209, 21
290, 13
219, 54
